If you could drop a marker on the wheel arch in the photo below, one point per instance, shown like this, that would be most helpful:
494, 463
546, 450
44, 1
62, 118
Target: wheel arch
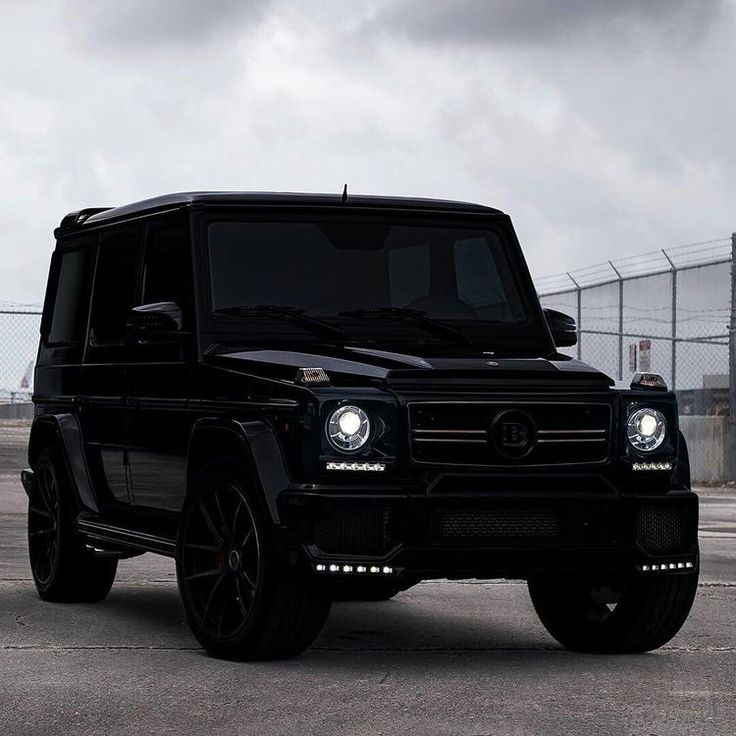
63, 432
682, 471
254, 442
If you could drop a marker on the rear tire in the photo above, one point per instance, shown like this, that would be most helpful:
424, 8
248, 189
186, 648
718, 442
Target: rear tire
635, 614
63, 569
242, 601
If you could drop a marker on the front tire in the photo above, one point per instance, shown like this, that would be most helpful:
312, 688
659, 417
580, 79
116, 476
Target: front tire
63, 569
616, 616
241, 599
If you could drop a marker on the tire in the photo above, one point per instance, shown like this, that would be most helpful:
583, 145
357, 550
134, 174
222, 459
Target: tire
242, 600
636, 614
63, 569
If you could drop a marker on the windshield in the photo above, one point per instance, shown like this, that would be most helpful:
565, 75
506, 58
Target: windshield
342, 273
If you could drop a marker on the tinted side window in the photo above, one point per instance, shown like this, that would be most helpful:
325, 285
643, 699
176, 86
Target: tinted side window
68, 320
166, 268
116, 282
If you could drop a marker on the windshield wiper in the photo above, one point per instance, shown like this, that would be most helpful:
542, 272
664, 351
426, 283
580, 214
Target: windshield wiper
415, 316
290, 314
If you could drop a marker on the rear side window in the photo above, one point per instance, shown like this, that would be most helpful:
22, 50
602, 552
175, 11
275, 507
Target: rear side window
116, 283
68, 320
166, 270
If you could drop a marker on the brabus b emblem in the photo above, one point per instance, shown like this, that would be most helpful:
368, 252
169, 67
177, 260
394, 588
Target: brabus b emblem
513, 433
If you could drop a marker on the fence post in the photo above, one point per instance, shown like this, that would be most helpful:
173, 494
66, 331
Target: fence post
620, 321
579, 318
673, 333
731, 460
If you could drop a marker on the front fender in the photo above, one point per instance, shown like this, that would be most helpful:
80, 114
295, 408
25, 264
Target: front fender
258, 445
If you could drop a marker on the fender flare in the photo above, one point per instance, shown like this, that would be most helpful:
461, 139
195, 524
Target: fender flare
68, 435
262, 451
682, 471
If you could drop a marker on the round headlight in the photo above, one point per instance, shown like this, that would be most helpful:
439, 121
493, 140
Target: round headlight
646, 429
348, 428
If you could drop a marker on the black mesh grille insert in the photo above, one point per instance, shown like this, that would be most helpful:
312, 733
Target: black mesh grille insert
662, 528
357, 531
493, 525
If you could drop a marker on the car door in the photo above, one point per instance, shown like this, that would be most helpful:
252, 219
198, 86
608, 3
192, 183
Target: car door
104, 410
160, 374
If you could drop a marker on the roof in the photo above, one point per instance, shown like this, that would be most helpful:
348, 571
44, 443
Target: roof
99, 215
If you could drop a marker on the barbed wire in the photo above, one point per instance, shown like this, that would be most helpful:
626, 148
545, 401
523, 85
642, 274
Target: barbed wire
688, 255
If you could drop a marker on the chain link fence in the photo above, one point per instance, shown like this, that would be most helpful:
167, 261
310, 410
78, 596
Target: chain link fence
19, 328
666, 312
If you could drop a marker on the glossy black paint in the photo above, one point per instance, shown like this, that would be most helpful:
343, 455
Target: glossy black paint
138, 418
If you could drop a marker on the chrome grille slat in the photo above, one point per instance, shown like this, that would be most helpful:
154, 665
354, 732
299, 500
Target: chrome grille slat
459, 433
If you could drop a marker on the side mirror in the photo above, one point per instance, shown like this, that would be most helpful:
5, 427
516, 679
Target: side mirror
563, 329
151, 320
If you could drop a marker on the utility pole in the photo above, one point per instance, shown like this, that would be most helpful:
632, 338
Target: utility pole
731, 460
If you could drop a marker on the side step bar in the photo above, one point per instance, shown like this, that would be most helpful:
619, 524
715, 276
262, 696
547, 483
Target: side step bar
128, 538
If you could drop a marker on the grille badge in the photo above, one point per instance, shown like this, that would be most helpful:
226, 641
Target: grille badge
513, 433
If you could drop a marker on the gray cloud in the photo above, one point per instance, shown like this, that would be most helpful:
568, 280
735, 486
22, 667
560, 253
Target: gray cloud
136, 25
543, 22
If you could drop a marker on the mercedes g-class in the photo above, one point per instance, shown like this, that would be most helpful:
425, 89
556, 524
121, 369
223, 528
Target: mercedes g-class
304, 398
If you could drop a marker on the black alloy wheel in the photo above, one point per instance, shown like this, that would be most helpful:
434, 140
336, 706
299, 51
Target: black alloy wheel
221, 561
44, 529
242, 599
64, 569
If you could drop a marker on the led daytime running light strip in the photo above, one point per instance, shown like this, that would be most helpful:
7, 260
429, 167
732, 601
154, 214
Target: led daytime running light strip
365, 467
651, 466
333, 567
666, 566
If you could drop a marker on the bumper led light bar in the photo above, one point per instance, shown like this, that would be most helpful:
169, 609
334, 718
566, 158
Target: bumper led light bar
651, 466
667, 566
364, 467
344, 569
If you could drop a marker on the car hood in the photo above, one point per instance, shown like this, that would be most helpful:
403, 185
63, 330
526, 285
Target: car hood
351, 366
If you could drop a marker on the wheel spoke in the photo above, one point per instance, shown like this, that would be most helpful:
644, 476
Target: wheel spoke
203, 547
226, 528
211, 596
42, 532
237, 513
240, 598
248, 537
205, 574
211, 524
244, 575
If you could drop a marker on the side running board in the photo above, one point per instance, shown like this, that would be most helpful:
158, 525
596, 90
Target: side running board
101, 531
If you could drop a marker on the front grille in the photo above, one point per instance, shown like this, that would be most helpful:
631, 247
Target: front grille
496, 525
353, 531
509, 434
662, 528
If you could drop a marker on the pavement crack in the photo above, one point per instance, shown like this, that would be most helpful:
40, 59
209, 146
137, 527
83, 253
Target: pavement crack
95, 648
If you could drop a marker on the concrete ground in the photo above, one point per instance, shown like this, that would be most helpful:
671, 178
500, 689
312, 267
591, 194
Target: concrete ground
443, 658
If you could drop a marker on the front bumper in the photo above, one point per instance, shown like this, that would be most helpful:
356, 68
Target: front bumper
414, 533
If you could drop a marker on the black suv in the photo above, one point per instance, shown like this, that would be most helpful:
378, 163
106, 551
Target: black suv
305, 398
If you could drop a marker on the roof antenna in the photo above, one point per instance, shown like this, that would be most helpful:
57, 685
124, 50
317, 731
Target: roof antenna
345, 194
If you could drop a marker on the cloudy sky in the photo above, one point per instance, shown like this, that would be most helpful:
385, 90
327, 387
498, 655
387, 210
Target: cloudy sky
604, 128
